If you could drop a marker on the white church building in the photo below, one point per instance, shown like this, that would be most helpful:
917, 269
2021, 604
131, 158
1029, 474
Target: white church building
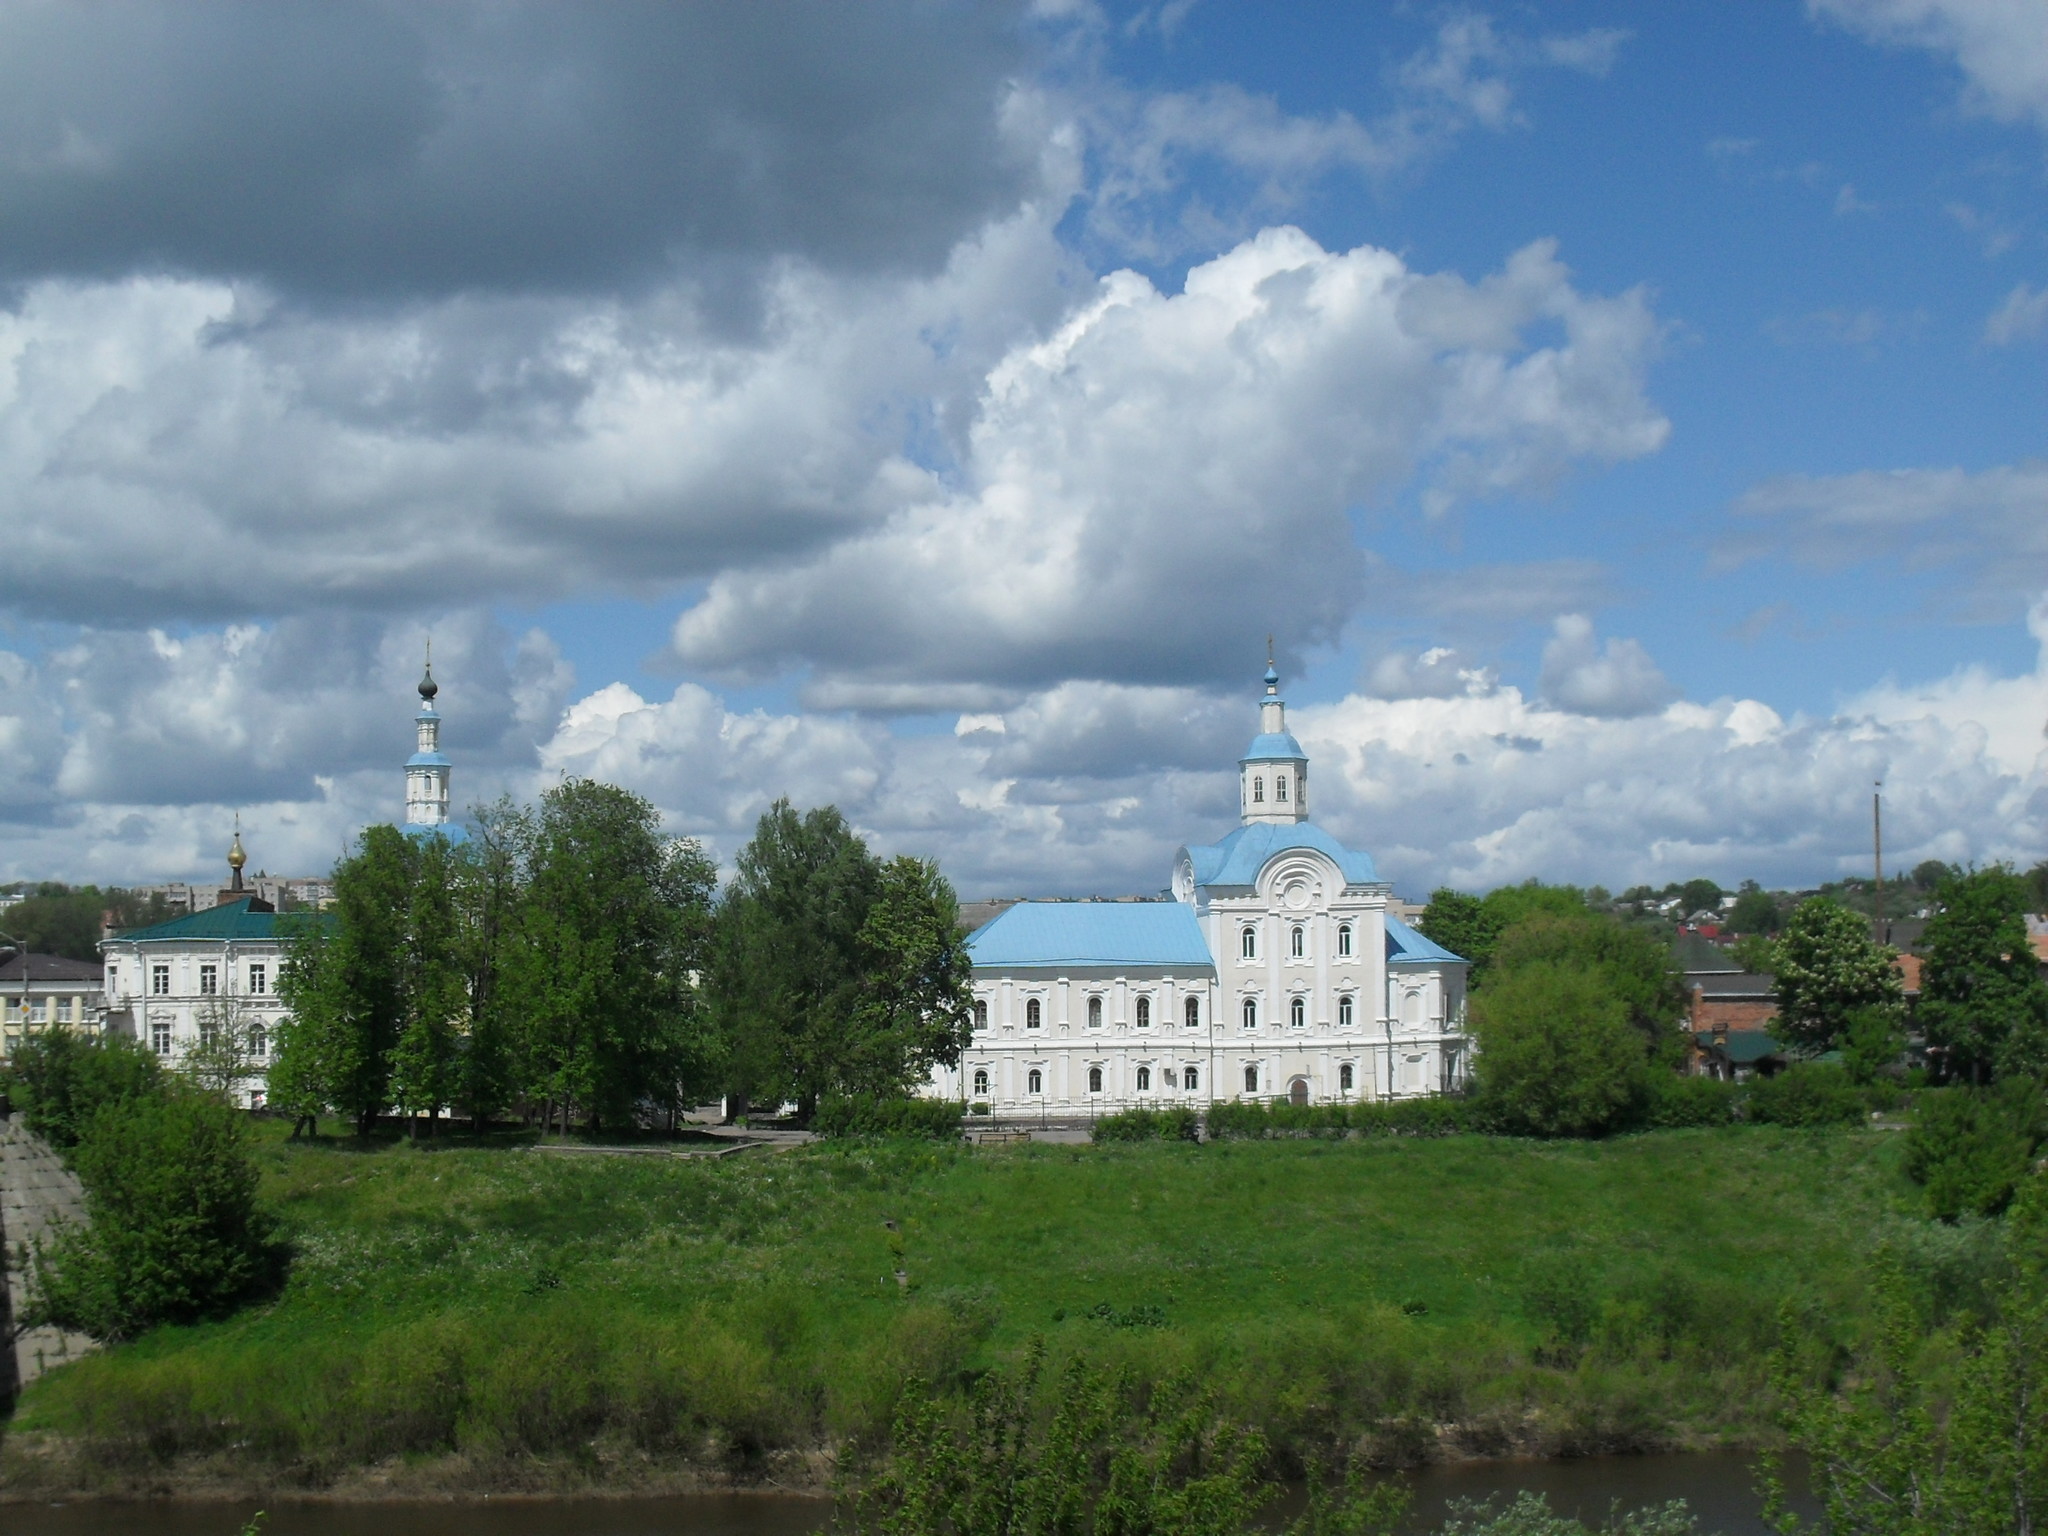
1274, 971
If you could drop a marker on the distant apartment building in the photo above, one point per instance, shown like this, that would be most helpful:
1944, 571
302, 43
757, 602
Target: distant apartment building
47, 991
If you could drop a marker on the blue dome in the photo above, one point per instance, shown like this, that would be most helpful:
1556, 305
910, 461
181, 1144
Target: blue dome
1274, 746
426, 760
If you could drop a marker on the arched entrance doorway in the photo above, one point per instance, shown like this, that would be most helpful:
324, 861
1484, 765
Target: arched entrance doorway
1297, 1091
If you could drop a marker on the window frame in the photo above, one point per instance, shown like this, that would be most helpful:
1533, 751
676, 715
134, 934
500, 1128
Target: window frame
981, 1082
1144, 1010
1248, 942
1034, 1082
1191, 1014
1034, 1013
1345, 1013
1248, 1013
160, 978
209, 978
1343, 941
1297, 942
1251, 1078
1095, 1010
1297, 1012
1095, 1079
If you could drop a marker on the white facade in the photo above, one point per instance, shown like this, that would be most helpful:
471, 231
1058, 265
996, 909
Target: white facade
1293, 980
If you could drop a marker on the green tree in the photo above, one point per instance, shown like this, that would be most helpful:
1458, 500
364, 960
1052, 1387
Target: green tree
597, 969
1982, 1001
58, 1079
1827, 967
1755, 911
1872, 1040
1635, 967
1970, 1148
790, 960
915, 1008
1699, 895
1556, 1053
1470, 926
488, 893
344, 986
425, 1059
173, 1232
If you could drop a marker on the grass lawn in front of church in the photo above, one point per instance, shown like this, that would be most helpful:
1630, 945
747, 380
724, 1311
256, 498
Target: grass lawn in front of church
517, 1315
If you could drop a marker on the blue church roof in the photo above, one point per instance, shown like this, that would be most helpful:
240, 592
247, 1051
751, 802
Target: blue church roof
1407, 947
1274, 746
1060, 933
1238, 859
427, 760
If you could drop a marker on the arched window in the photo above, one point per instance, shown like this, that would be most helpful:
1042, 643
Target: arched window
980, 1014
1031, 1018
1095, 1079
1345, 1078
1343, 940
1035, 1081
980, 1082
1144, 1079
1144, 1013
259, 1042
1297, 941
1258, 791
1297, 1013
1095, 1013
1248, 944
1344, 1012
1280, 788
1191, 1078
1194, 1013
1251, 1013
1251, 1079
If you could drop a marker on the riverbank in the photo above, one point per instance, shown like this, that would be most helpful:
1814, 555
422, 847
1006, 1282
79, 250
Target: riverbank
478, 1319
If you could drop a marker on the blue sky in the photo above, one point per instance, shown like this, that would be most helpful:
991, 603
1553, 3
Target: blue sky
1628, 419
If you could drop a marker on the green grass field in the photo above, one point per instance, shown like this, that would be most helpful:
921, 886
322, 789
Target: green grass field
522, 1316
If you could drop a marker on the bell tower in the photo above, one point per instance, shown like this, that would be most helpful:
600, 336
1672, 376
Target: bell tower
426, 771
1273, 773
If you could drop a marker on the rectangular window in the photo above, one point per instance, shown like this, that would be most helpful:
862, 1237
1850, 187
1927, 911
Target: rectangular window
39, 1011
67, 1010
209, 980
259, 983
159, 981
160, 1036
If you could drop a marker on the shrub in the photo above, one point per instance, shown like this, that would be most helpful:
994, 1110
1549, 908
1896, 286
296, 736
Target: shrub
174, 1233
865, 1115
1420, 1117
1809, 1094
1235, 1121
1173, 1124
1970, 1147
1557, 1056
1690, 1101
59, 1079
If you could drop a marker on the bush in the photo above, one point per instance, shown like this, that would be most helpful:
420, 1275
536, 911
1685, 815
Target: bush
1435, 1116
865, 1115
1970, 1147
1175, 1124
174, 1234
1690, 1101
60, 1079
1809, 1094
1557, 1056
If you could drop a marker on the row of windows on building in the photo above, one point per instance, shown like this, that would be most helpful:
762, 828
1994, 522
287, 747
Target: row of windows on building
1297, 1012
1297, 942
1188, 1078
47, 1010
257, 1043
209, 980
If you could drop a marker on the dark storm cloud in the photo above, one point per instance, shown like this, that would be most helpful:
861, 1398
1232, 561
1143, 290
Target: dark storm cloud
379, 149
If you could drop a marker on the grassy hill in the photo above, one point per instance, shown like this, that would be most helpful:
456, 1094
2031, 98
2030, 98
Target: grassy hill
476, 1316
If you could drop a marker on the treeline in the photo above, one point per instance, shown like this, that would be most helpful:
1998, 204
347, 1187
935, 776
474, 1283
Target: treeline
572, 965
68, 920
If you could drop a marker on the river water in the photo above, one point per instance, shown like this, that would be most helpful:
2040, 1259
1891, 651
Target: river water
1720, 1487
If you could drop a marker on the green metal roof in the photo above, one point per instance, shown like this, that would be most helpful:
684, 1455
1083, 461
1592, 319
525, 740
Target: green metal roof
230, 920
1743, 1046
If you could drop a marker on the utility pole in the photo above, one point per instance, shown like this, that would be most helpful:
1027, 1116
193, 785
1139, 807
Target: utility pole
1877, 850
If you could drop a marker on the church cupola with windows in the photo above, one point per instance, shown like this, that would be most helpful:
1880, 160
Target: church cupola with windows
1273, 774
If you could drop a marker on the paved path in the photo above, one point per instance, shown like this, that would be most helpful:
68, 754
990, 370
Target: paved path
36, 1191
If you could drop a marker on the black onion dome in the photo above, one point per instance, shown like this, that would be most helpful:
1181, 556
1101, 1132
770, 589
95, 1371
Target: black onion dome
428, 687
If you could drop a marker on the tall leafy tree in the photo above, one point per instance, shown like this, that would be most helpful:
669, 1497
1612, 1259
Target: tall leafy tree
345, 985
1470, 926
598, 966
1827, 968
1982, 1000
1755, 911
789, 957
916, 1006
1557, 1056
425, 1058
1634, 965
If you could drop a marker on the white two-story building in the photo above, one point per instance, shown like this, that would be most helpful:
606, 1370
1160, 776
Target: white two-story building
1274, 971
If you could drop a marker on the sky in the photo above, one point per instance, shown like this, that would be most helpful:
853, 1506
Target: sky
1629, 422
